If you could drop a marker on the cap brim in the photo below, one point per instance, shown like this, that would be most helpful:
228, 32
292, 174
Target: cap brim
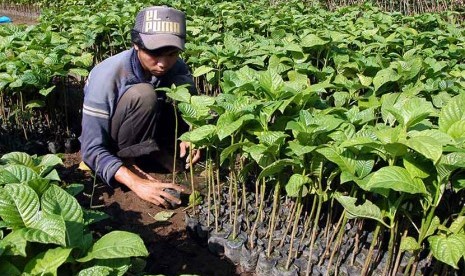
156, 41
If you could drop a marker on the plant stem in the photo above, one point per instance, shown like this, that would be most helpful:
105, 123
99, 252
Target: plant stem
370, 251
260, 210
175, 154
294, 228
399, 255
392, 234
273, 215
335, 248
313, 236
291, 219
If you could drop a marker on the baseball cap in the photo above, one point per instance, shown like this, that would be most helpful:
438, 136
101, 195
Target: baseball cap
161, 26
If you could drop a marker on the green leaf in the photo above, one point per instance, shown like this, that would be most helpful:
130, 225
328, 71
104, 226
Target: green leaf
295, 184
96, 270
74, 189
202, 70
343, 158
409, 244
427, 146
226, 153
14, 244
312, 40
205, 132
46, 91
116, 244
458, 225
56, 201
20, 158
227, 124
19, 205
452, 113
397, 179
357, 209
80, 72
22, 173
180, 94
275, 167
50, 160
47, 262
35, 104
384, 76
48, 228
7, 177
448, 249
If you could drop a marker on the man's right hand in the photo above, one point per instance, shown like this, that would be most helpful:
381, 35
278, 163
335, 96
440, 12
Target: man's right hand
146, 187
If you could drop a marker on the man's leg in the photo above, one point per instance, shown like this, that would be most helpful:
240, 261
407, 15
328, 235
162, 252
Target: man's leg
134, 122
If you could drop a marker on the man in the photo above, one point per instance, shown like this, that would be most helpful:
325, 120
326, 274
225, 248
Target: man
123, 115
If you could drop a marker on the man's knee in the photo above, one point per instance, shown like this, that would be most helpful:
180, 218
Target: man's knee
142, 95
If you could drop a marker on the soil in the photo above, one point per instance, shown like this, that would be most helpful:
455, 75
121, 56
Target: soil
172, 250
20, 19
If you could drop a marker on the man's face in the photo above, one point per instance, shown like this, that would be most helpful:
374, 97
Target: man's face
157, 62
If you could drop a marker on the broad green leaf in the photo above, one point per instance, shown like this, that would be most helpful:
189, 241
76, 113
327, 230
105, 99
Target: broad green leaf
427, 146
47, 262
74, 189
21, 158
417, 167
295, 184
343, 158
312, 40
227, 124
299, 149
50, 160
202, 133
384, 76
364, 80
35, 104
19, 205
96, 270
202, 70
409, 244
275, 167
448, 249
116, 244
46, 91
226, 153
441, 137
457, 130
180, 94
458, 225
40, 185
7, 177
22, 173
79, 72
93, 216
121, 265
360, 209
14, 244
49, 228
452, 113
397, 179
56, 201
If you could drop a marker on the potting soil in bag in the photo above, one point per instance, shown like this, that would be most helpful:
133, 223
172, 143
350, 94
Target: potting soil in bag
5, 19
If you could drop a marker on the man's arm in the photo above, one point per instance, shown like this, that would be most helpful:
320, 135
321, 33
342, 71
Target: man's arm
146, 187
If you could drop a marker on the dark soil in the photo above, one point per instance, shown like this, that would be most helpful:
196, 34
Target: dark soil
172, 251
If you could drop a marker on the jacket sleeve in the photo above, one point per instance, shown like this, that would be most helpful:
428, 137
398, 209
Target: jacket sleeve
95, 137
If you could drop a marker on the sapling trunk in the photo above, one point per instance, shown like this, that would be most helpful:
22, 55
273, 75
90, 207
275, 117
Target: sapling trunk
216, 197
259, 214
313, 236
357, 241
372, 247
340, 235
294, 228
291, 219
209, 187
330, 240
392, 233
175, 154
273, 217
236, 205
309, 219
191, 170
399, 256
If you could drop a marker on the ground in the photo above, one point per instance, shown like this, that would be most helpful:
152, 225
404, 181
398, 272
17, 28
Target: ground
172, 251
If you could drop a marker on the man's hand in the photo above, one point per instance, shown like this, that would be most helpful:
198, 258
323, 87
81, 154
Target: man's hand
146, 187
183, 149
